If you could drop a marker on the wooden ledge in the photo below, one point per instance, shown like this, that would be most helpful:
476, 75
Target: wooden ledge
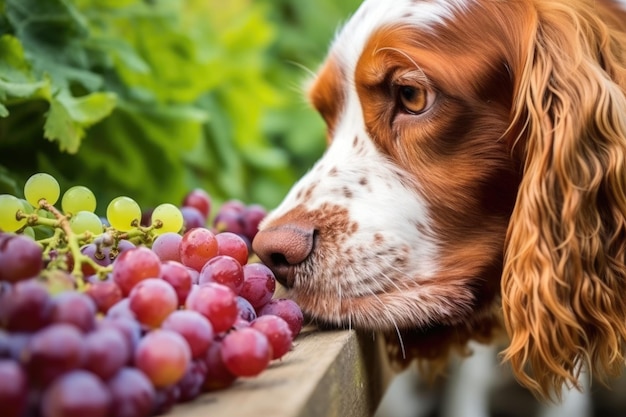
327, 374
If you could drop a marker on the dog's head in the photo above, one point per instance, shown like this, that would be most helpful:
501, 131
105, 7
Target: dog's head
476, 165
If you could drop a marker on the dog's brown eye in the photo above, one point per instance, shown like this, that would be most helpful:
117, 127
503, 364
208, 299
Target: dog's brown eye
413, 99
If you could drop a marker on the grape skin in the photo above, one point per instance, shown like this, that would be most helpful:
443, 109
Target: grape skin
77, 394
133, 395
9, 206
86, 221
123, 212
200, 200
53, 351
225, 270
25, 307
135, 265
246, 352
197, 247
13, 388
104, 294
20, 257
152, 300
179, 277
41, 186
106, 352
216, 302
194, 327
277, 331
288, 310
231, 244
78, 198
164, 356
259, 284
74, 308
170, 217
167, 246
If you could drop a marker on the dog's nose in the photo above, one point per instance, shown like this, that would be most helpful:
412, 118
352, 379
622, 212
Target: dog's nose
283, 246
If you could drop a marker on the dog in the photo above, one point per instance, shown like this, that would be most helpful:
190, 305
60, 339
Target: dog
473, 187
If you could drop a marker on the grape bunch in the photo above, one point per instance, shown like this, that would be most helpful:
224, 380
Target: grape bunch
127, 315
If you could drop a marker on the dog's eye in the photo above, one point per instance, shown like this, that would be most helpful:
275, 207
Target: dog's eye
414, 100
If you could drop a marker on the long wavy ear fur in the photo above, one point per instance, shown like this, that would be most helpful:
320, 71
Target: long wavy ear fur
564, 278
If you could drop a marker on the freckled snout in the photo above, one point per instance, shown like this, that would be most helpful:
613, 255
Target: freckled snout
282, 247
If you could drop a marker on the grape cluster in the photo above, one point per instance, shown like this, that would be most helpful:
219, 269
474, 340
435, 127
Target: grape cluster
128, 315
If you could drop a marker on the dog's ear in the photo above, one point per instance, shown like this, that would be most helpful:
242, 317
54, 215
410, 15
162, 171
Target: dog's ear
564, 278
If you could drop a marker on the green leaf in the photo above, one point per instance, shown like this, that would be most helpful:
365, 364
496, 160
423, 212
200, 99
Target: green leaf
68, 117
16, 78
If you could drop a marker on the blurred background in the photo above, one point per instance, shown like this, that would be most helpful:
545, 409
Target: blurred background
150, 98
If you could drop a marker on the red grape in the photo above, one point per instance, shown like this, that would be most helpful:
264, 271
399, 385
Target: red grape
165, 399
246, 311
179, 277
128, 327
195, 275
5, 344
217, 376
163, 355
13, 388
234, 205
216, 302
152, 300
197, 247
192, 218
259, 284
194, 327
225, 270
106, 352
286, 309
121, 309
20, 257
200, 200
167, 246
25, 307
246, 352
240, 324
74, 308
277, 332
52, 351
233, 245
76, 394
229, 219
104, 293
190, 386
17, 344
103, 254
132, 393
135, 265
97, 253
253, 215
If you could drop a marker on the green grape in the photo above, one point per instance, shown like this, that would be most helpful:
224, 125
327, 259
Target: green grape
86, 221
30, 232
78, 198
40, 186
27, 208
122, 212
170, 216
9, 205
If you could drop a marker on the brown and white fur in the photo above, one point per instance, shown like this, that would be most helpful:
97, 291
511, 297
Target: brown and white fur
474, 181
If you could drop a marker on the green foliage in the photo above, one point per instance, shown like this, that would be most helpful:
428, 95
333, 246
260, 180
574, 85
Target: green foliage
151, 98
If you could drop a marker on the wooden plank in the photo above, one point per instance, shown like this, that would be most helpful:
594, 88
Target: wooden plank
327, 374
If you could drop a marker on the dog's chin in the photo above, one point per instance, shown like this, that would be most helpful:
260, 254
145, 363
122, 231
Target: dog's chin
383, 312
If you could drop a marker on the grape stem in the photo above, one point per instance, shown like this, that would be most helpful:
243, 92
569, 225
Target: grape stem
65, 241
